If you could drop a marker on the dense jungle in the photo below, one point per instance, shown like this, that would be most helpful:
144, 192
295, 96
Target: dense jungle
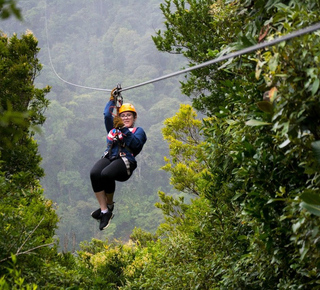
226, 193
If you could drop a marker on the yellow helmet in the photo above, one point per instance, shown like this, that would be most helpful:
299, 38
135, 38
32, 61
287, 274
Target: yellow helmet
127, 107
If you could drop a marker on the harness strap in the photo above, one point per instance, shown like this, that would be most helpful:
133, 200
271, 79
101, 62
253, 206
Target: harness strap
114, 137
127, 163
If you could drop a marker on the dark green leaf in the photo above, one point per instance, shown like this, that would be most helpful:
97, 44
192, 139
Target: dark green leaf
311, 197
265, 106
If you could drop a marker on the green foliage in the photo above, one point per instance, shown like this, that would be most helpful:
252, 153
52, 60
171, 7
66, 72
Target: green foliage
182, 134
13, 279
142, 237
22, 105
253, 164
8, 8
106, 263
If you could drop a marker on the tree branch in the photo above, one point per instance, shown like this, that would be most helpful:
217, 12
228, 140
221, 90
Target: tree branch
28, 251
28, 237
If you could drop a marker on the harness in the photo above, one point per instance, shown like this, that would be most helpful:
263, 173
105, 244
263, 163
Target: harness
116, 136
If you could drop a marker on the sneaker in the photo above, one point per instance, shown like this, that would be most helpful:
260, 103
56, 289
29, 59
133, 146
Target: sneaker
105, 220
96, 214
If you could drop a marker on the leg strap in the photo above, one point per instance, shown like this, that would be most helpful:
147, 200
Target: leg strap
127, 163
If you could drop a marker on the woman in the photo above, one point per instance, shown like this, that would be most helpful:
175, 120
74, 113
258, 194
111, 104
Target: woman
124, 142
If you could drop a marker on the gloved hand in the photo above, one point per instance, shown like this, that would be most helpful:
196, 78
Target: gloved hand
112, 94
117, 122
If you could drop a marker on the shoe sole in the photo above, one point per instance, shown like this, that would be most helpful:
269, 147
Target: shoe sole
108, 222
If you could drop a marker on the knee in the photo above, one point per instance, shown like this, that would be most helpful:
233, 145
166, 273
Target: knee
94, 174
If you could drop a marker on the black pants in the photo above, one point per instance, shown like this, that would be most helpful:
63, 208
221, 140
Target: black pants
105, 173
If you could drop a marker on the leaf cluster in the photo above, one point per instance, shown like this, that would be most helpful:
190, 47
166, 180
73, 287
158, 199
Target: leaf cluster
9, 8
182, 132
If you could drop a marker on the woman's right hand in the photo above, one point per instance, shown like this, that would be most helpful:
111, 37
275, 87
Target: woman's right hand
112, 94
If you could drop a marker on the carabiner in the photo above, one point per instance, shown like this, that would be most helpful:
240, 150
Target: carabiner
118, 96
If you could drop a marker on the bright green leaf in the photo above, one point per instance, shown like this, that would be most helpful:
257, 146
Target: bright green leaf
273, 62
314, 209
315, 86
296, 226
316, 149
256, 123
284, 144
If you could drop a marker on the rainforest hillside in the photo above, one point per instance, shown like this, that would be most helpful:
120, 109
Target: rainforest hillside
237, 202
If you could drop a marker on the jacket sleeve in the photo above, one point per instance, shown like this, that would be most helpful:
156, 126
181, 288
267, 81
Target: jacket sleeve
108, 117
134, 141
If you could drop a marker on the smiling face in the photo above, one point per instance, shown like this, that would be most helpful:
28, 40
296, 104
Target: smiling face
128, 118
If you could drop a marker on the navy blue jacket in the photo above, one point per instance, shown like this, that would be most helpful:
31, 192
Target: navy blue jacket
132, 142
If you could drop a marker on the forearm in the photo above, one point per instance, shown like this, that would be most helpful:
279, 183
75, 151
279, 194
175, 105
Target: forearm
108, 117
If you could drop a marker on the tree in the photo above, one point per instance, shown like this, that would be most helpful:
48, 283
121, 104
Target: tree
27, 219
23, 105
262, 155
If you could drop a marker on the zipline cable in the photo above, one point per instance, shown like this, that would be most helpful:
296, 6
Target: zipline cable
261, 45
252, 48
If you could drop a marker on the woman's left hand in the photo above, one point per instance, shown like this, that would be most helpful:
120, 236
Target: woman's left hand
117, 122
